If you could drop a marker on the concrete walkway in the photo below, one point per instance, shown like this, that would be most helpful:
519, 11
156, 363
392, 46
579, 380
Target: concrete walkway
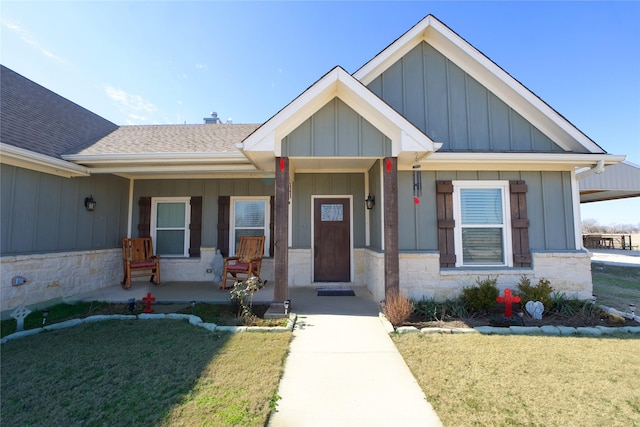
344, 370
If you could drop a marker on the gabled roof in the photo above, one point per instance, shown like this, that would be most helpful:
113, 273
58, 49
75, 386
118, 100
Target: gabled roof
487, 73
407, 141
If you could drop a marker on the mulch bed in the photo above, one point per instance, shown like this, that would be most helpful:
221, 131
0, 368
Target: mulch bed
496, 318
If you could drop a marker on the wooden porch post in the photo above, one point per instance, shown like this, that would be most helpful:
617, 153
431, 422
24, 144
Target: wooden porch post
281, 236
390, 206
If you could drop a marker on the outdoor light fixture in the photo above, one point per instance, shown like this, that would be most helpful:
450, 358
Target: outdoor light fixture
193, 307
45, 314
287, 304
632, 309
370, 201
593, 298
131, 303
89, 203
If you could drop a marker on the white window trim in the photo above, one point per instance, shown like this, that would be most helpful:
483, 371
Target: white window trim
232, 221
506, 215
187, 220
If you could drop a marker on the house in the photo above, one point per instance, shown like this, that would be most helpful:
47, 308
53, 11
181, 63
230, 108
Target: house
466, 174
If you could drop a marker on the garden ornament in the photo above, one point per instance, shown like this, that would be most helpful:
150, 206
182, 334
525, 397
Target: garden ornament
508, 299
19, 314
148, 300
535, 309
217, 266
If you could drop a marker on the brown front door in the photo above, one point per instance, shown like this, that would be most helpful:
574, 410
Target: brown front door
332, 240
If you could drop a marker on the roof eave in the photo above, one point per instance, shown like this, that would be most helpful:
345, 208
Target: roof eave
27, 159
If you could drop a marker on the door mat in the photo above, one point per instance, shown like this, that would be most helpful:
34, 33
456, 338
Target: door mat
335, 291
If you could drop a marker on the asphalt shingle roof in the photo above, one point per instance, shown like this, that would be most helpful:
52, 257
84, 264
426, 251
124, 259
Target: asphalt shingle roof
145, 139
37, 119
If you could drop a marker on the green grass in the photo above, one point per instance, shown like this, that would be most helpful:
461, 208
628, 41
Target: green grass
479, 380
160, 373
616, 286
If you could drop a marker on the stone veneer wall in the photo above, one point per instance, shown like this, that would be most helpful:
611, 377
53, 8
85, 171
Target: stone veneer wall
55, 276
421, 277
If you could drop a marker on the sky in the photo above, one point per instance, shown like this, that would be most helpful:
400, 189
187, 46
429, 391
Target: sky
169, 62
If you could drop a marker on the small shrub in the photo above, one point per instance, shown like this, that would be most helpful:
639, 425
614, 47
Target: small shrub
397, 308
429, 310
481, 297
540, 292
571, 307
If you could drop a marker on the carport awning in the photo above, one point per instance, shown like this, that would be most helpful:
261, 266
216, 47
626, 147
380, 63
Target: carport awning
618, 181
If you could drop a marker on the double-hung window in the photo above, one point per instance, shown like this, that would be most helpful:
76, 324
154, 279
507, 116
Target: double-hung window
249, 217
170, 225
482, 232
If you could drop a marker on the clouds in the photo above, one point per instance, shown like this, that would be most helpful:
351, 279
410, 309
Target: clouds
27, 38
135, 107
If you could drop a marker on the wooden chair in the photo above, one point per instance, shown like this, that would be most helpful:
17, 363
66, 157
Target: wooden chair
139, 260
247, 262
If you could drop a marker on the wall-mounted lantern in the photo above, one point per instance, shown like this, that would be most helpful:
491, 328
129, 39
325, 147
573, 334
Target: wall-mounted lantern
90, 204
370, 201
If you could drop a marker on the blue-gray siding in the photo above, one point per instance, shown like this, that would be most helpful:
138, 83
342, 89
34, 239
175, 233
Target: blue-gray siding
549, 208
336, 130
325, 184
45, 213
375, 214
209, 189
451, 107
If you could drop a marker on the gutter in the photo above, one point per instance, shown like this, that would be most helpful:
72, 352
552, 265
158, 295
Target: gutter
27, 159
598, 168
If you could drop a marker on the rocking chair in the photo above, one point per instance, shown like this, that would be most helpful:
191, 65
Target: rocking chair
139, 260
247, 262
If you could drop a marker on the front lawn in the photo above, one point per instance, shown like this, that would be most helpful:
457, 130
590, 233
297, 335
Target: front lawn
479, 380
131, 372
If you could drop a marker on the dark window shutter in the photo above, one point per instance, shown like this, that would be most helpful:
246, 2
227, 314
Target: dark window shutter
272, 216
144, 219
224, 204
444, 206
195, 227
519, 224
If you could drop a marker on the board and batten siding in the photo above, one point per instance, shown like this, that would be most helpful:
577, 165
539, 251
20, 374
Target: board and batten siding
209, 189
44, 213
549, 208
451, 107
375, 214
326, 184
336, 130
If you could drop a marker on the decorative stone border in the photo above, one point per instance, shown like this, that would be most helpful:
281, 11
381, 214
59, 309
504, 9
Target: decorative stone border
514, 330
193, 320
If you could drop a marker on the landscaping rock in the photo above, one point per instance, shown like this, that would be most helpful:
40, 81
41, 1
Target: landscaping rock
493, 330
567, 330
550, 330
407, 330
591, 332
524, 330
232, 329
633, 329
208, 326
428, 331
464, 331
606, 330
149, 316
62, 325
194, 320
21, 334
180, 316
